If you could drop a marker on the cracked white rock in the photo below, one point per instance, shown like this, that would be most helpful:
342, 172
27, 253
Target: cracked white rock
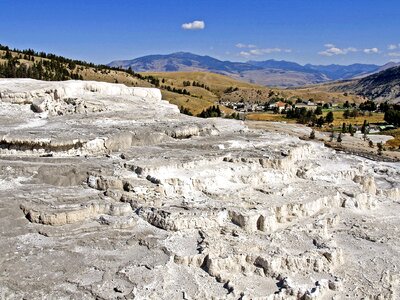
108, 192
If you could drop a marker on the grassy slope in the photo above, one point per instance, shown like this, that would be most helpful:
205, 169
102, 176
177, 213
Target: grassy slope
320, 94
200, 98
94, 74
218, 83
325, 91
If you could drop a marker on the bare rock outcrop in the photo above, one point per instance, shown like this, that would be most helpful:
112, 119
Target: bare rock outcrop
108, 192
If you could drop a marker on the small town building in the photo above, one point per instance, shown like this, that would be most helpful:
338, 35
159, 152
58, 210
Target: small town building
280, 105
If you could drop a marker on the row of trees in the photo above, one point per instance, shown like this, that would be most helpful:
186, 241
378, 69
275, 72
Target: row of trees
185, 111
43, 70
351, 113
230, 89
175, 90
348, 129
368, 106
392, 116
196, 83
306, 116
233, 116
50, 56
211, 112
68, 63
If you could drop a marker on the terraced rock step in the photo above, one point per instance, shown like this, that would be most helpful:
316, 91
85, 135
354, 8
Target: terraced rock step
108, 192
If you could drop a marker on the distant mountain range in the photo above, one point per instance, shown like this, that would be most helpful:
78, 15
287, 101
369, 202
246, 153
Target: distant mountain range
182, 61
269, 72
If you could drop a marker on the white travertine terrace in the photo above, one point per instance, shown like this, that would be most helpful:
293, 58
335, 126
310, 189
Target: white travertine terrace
108, 192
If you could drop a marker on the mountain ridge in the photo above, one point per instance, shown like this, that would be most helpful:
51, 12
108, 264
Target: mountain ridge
268, 72
381, 86
183, 58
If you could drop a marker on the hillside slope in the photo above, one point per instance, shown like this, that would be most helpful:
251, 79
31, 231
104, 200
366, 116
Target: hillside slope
382, 86
225, 88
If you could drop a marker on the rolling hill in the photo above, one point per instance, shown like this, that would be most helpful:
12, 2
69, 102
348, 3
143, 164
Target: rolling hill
224, 88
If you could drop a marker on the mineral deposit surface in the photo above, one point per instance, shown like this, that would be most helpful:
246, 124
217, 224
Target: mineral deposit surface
108, 192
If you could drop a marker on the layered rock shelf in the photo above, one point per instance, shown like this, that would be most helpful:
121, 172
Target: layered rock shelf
108, 192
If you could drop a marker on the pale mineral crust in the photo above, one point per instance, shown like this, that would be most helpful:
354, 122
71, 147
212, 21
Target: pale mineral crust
108, 192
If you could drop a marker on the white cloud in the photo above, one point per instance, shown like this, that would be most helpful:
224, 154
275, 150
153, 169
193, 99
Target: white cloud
244, 54
371, 50
333, 50
195, 25
394, 54
392, 47
240, 45
258, 52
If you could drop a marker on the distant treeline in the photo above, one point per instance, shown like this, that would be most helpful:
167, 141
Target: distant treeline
196, 83
175, 90
57, 68
51, 67
51, 70
305, 116
71, 62
57, 61
392, 116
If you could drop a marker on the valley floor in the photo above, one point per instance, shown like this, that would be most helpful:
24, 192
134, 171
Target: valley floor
350, 144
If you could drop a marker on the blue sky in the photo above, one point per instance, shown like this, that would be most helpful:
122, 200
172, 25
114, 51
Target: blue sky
305, 31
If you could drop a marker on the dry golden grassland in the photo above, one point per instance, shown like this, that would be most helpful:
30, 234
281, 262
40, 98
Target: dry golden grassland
268, 117
395, 143
216, 82
320, 93
339, 119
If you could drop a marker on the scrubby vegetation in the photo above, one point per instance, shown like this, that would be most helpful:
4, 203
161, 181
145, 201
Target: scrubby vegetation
308, 116
211, 112
392, 116
230, 89
185, 111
